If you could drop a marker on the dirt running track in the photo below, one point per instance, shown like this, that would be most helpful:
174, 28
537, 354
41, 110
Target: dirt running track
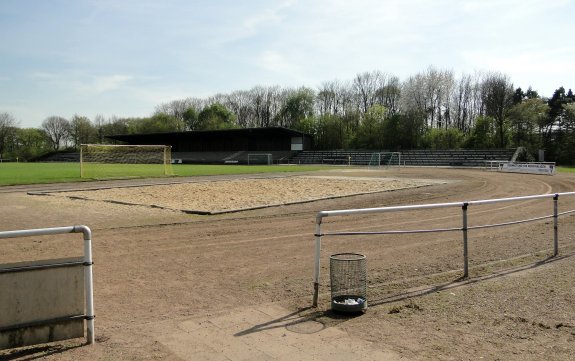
170, 285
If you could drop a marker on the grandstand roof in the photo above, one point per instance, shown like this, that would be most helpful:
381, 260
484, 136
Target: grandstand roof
255, 139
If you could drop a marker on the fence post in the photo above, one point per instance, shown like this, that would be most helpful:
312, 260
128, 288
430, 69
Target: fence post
464, 229
317, 259
88, 276
555, 226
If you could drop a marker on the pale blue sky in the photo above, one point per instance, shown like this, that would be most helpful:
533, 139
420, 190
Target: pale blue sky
124, 57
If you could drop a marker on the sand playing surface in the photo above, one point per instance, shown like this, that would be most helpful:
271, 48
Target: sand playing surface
241, 194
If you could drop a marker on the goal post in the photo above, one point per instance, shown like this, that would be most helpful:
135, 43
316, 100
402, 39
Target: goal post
385, 159
260, 159
120, 161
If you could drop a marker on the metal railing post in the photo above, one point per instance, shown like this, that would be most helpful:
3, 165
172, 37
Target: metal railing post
464, 229
555, 226
317, 259
89, 283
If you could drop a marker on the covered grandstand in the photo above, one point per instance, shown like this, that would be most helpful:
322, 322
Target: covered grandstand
226, 146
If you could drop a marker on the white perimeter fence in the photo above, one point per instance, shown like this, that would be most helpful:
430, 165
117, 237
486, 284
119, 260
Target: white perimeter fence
463, 229
86, 262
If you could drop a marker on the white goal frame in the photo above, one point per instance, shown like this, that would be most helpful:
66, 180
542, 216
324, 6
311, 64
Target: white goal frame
385, 159
268, 156
164, 156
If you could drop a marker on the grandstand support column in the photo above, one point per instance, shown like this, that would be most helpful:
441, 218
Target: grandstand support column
464, 229
317, 259
555, 226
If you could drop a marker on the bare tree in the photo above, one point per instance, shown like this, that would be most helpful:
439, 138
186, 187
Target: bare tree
99, 124
438, 85
264, 101
466, 103
366, 86
429, 93
334, 98
388, 94
238, 103
326, 99
413, 98
57, 129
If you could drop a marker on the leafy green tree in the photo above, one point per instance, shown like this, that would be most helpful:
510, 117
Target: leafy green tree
531, 94
82, 131
441, 138
7, 131
160, 123
566, 141
114, 126
331, 132
31, 142
370, 132
569, 120
393, 132
518, 96
413, 128
216, 117
298, 105
525, 119
556, 103
190, 117
497, 99
306, 125
483, 134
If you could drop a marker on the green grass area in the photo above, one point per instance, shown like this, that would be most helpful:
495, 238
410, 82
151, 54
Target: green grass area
566, 169
41, 173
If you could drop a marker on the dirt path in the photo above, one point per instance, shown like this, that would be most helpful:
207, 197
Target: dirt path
157, 269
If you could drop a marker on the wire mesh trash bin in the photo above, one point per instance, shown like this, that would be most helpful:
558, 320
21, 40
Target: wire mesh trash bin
348, 278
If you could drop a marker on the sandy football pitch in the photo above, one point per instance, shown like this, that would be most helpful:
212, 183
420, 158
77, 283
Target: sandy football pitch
172, 283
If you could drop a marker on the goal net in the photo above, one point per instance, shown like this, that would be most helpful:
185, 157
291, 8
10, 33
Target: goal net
121, 161
385, 159
260, 159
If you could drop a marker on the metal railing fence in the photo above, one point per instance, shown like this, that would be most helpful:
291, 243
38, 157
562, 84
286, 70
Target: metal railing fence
88, 280
464, 225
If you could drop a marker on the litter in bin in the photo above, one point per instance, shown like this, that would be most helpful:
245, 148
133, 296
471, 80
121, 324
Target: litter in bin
350, 301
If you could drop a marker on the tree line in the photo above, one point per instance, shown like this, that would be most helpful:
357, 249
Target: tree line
374, 110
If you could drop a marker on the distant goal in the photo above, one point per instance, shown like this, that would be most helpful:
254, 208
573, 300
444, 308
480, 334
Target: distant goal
260, 159
385, 159
100, 161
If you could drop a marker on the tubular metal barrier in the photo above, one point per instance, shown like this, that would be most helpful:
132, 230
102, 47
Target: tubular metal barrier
464, 225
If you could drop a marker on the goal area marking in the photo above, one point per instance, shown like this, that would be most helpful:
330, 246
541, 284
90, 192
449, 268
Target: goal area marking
120, 161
